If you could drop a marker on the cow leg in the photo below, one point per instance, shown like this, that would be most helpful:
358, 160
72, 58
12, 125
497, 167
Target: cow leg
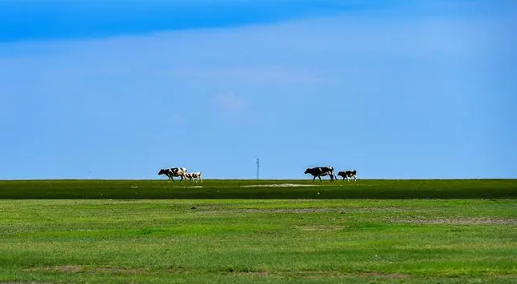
319, 177
313, 178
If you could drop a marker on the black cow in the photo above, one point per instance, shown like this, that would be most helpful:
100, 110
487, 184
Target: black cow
348, 174
166, 172
321, 171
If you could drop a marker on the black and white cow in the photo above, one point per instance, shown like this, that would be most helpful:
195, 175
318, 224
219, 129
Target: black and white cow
178, 172
173, 172
348, 175
321, 171
196, 176
166, 172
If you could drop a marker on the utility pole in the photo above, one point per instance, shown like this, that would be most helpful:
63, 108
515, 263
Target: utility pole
258, 168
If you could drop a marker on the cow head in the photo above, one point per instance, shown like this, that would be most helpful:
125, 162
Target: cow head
162, 172
307, 171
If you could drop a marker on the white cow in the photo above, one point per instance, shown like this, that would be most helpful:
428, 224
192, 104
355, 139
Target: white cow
196, 176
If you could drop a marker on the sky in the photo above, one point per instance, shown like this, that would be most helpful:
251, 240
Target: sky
394, 89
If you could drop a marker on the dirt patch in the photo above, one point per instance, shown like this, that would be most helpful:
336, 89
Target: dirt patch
256, 210
85, 269
118, 270
32, 282
284, 210
29, 282
65, 268
457, 221
279, 185
251, 273
383, 275
335, 274
320, 228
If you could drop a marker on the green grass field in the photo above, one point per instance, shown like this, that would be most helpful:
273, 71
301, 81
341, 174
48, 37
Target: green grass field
247, 189
226, 232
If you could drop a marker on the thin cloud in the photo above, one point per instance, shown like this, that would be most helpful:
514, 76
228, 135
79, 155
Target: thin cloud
258, 74
231, 106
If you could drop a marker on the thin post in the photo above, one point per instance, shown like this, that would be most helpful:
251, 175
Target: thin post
258, 169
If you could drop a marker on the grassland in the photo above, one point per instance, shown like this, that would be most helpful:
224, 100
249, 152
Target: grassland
152, 232
247, 189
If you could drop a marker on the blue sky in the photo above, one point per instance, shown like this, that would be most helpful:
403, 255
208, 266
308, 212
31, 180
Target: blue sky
394, 89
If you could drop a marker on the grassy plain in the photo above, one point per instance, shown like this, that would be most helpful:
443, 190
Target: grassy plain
247, 189
252, 240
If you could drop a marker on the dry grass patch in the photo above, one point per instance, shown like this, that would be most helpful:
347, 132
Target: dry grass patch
257, 210
327, 228
86, 269
63, 268
383, 275
317, 275
456, 221
279, 185
251, 273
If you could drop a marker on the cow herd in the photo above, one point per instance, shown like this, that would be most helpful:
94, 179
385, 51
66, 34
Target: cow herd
316, 172
181, 173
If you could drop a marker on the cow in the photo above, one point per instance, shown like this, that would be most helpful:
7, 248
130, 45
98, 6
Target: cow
321, 171
196, 176
178, 172
166, 172
348, 175
173, 172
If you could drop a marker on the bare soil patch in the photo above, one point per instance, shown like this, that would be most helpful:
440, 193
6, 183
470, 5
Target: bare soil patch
457, 221
286, 210
279, 185
85, 269
65, 268
321, 274
384, 275
270, 210
251, 273
321, 228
